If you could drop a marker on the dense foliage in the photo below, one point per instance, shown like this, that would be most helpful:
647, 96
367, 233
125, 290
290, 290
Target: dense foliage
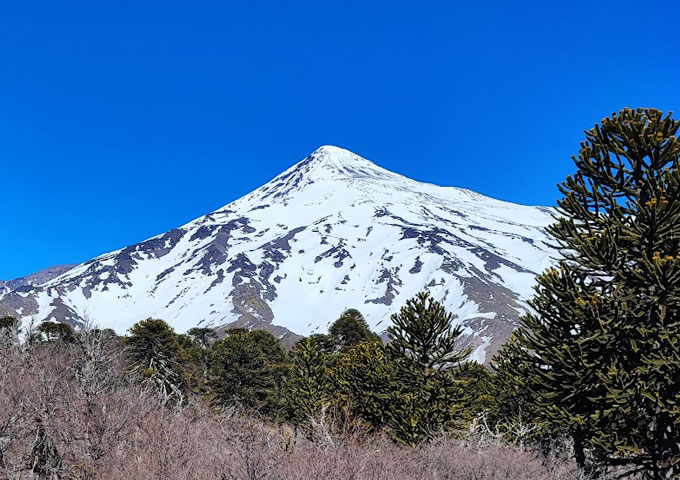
246, 368
599, 359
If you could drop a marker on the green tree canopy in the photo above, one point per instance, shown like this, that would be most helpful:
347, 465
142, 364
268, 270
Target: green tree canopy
149, 338
423, 343
422, 333
366, 379
56, 332
602, 347
154, 351
203, 336
9, 330
247, 369
514, 410
308, 388
7, 323
350, 329
325, 342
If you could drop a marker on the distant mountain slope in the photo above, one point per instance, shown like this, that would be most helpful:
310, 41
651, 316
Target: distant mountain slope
37, 278
332, 232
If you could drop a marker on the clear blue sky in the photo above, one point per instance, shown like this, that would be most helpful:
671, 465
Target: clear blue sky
120, 120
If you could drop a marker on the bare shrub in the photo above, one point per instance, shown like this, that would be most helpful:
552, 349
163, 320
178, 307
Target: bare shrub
67, 411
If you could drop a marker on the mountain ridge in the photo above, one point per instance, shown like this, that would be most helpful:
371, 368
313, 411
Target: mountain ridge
35, 278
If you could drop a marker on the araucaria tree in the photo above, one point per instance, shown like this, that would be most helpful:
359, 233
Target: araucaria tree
153, 350
351, 329
9, 330
423, 335
246, 370
602, 348
423, 343
307, 390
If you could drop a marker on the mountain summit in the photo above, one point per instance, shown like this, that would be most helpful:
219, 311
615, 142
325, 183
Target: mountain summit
332, 232
337, 161
326, 163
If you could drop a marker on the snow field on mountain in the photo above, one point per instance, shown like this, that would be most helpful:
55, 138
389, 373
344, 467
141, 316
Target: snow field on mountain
334, 231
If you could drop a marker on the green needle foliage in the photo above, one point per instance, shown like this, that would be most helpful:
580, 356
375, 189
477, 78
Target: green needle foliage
327, 344
422, 335
194, 356
10, 328
559, 351
351, 329
423, 344
602, 350
513, 410
203, 336
307, 390
56, 332
154, 350
8, 323
475, 387
423, 408
247, 369
365, 375
149, 337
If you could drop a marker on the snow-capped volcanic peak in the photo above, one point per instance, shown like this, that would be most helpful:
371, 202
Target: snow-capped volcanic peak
335, 162
327, 163
332, 232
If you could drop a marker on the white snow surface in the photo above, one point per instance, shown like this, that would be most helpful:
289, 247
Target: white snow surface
332, 232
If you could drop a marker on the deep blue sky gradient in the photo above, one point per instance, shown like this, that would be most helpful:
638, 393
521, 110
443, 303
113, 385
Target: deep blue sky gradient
121, 120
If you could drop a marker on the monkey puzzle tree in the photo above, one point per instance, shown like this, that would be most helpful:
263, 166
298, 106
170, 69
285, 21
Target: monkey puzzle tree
351, 329
556, 355
604, 341
10, 328
247, 369
365, 378
56, 332
307, 390
153, 349
423, 335
423, 343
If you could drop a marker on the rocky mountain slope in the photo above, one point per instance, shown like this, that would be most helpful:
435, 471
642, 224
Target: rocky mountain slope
36, 278
332, 232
